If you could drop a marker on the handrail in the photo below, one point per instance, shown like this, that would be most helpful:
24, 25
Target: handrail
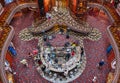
118, 9
103, 8
16, 9
116, 51
3, 52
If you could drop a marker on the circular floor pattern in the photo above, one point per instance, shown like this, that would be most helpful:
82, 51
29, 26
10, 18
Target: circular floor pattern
56, 72
73, 73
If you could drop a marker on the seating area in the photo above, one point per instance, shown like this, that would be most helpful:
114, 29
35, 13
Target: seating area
60, 64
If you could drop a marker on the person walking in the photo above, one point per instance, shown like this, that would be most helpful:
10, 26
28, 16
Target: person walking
24, 62
100, 64
94, 80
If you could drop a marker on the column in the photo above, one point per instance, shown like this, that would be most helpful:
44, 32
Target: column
41, 7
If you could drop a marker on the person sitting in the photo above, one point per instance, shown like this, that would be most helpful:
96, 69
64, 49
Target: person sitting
47, 70
45, 37
67, 36
66, 44
68, 50
48, 44
48, 16
65, 72
61, 30
67, 56
56, 60
50, 37
68, 29
39, 62
53, 55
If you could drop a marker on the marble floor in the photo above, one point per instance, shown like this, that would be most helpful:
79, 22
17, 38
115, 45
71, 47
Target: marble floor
95, 51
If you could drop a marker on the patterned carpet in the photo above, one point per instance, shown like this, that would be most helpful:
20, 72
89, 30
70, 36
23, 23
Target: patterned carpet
95, 51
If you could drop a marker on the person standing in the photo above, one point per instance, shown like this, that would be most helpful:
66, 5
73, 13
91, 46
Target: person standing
82, 53
30, 55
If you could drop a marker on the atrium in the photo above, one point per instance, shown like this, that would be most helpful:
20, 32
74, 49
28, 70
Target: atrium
60, 41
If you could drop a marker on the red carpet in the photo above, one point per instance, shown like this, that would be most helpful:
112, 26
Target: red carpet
95, 51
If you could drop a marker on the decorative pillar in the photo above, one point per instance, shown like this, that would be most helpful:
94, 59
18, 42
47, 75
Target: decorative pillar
53, 3
46, 5
41, 7
72, 5
67, 3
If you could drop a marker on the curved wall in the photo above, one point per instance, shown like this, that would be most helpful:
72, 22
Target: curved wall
18, 8
102, 8
3, 53
117, 57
